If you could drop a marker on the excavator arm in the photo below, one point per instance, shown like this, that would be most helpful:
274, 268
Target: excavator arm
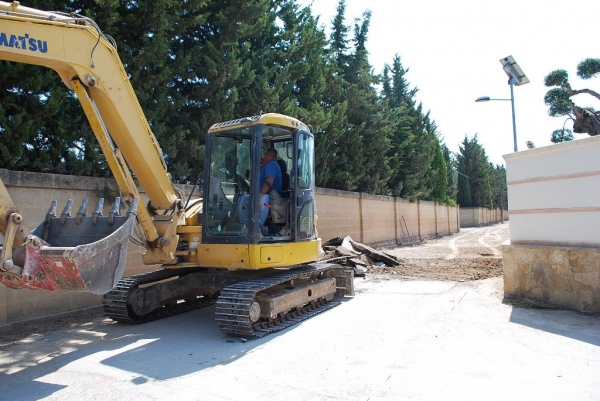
88, 63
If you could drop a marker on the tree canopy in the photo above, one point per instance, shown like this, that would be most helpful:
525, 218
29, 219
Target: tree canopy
199, 62
560, 101
561, 135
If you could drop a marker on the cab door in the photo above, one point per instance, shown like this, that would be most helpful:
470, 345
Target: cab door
303, 201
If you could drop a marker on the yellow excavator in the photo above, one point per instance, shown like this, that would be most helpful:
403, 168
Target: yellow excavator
212, 249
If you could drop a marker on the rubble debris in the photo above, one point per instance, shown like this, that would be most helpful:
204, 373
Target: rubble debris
376, 255
343, 251
358, 262
358, 256
367, 259
336, 241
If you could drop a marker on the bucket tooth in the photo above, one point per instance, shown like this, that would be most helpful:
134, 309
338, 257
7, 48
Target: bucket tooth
49, 216
51, 212
66, 212
81, 212
114, 211
97, 211
132, 209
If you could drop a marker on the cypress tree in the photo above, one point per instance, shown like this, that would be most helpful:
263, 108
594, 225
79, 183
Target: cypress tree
344, 154
452, 177
474, 166
440, 174
302, 50
414, 139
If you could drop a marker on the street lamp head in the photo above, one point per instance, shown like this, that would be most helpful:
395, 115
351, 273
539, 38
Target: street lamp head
486, 99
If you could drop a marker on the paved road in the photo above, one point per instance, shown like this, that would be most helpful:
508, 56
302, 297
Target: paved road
397, 339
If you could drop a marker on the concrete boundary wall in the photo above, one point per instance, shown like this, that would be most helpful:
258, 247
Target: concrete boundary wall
376, 219
370, 219
480, 216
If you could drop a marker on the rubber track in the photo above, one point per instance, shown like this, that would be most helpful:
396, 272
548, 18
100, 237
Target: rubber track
114, 302
233, 306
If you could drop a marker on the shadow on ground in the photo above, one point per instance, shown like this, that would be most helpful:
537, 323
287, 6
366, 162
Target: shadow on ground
189, 343
564, 323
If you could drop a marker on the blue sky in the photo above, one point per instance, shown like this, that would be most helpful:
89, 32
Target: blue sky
452, 50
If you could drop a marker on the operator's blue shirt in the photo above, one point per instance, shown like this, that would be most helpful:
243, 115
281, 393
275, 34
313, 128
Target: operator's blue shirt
271, 169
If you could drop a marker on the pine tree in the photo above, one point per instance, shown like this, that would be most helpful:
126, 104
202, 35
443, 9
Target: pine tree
560, 98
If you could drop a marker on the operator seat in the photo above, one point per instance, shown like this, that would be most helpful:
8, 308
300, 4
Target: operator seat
285, 179
280, 207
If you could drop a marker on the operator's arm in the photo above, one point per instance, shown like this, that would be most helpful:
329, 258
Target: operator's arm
271, 171
266, 188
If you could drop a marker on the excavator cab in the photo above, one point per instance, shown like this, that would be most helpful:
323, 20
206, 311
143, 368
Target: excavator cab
232, 168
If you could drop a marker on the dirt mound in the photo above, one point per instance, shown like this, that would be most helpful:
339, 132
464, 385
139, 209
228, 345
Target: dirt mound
444, 269
471, 254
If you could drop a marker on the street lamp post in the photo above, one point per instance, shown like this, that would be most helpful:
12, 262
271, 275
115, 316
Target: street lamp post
515, 77
511, 82
501, 198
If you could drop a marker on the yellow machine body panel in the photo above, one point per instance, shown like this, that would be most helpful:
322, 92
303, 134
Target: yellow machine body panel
257, 256
267, 119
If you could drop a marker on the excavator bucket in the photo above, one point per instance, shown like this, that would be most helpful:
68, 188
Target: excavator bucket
78, 253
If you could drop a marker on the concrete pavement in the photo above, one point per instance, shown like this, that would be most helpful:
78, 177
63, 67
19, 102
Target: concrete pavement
397, 339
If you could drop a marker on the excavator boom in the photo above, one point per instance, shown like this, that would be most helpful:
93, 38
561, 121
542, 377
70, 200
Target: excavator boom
88, 63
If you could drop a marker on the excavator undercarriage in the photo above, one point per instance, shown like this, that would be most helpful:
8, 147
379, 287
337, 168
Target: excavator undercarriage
249, 304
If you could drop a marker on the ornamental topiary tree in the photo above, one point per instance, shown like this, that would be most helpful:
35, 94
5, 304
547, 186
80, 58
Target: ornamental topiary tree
559, 99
